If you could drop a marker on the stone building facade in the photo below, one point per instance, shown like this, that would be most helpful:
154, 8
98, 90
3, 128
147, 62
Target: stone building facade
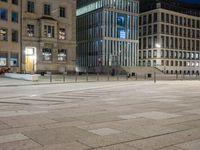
49, 35
38, 35
170, 37
10, 34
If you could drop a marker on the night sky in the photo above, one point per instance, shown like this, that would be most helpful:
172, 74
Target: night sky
191, 1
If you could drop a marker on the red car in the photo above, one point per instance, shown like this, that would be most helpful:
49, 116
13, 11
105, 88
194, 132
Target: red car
4, 70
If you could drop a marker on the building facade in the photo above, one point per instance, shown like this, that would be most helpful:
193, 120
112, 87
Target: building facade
107, 33
170, 37
48, 35
38, 35
10, 34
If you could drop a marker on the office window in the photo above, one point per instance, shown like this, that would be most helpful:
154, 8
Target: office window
155, 28
181, 21
47, 9
3, 14
149, 42
30, 30
15, 2
162, 28
149, 54
49, 31
172, 30
155, 17
62, 12
150, 18
167, 18
162, 54
62, 34
167, 29
162, 17
3, 59
149, 30
121, 26
144, 43
14, 36
172, 19
144, 20
155, 53
189, 22
176, 19
14, 60
47, 54
14, 17
30, 7
62, 55
3, 34
144, 30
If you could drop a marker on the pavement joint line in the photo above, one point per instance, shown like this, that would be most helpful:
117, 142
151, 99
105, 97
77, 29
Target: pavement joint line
45, 100
14, 103
138, 139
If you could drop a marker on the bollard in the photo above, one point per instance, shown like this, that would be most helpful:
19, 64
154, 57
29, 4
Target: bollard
64, 76
76, 77
108, 78
117, 75
97, 76
136, 77
50, 76
176, 76
154, 77
87, 76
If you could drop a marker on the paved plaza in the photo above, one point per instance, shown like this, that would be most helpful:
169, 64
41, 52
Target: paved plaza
115, 115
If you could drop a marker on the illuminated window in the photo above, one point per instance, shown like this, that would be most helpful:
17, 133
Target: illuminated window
3, 34
49, 31
14, 59
62, 34
47, 54
30, 30
62, 55
3, 59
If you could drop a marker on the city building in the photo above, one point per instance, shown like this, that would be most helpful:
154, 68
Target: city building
10, 34
107, 34
38, 35
48, 35
170, 36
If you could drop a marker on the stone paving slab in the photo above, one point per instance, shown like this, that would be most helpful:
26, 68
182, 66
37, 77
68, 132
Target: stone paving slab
193, 145
12, 138
19, 145
101, 115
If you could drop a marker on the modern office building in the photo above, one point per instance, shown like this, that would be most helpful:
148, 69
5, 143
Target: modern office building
48, 35
107, 33
10, 34
170, 36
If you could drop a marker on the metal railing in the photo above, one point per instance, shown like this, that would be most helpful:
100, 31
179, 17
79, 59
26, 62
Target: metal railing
97, 77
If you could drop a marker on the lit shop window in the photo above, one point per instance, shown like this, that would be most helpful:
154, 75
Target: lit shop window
47, 54
3, 59
62, 55
14, 60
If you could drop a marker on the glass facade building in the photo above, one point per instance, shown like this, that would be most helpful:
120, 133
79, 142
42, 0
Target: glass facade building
107, 33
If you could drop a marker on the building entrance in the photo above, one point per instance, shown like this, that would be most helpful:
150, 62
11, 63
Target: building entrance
30, 60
